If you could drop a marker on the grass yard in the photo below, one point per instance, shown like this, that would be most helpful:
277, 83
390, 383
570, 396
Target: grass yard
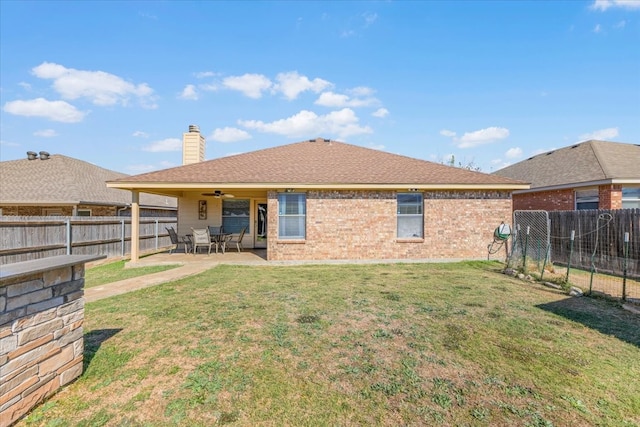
114, 271
350, 345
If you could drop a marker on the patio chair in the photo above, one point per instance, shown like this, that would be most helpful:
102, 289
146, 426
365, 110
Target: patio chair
201, 237
177, 241
238, 240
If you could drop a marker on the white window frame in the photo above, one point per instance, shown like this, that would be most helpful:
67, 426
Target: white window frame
83, 210
296, 211
52, 212
411, 212
630, 200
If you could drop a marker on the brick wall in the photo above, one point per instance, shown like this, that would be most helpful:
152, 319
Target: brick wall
555, 200
41, 336
610, 196
363, 224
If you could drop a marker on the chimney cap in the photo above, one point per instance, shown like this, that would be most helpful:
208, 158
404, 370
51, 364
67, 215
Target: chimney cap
194, 128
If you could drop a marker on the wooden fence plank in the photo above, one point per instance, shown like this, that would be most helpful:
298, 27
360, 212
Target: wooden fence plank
25, 238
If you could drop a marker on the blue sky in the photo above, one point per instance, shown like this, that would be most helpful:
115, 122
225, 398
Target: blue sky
491, 83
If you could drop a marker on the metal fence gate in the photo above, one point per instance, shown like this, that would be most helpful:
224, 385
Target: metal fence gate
531, 240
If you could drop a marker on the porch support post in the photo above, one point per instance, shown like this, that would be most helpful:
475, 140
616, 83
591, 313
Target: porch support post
135, 225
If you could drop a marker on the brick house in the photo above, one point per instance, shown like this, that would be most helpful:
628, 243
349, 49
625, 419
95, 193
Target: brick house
589, 175
322, 199
48, 185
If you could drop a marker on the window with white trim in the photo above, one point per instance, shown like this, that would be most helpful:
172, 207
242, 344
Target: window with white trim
630, 197
410, 215
292, 215
587, 199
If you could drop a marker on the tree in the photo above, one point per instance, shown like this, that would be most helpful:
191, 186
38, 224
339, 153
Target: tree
471, 166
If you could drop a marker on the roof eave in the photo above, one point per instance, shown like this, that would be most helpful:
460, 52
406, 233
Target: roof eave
186, 186
621, 181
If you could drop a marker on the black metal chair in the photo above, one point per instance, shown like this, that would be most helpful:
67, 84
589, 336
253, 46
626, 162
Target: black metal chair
177, 241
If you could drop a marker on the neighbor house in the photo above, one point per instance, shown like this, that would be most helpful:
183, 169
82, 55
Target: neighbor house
588, 175
321, 199
48, 185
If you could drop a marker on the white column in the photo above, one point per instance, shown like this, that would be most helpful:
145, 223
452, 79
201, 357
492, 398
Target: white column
135, 225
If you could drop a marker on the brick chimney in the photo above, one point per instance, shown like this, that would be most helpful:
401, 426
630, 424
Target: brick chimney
193, 146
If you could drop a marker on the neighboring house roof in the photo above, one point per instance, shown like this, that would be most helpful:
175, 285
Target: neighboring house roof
588, 163
65, 180
317, 163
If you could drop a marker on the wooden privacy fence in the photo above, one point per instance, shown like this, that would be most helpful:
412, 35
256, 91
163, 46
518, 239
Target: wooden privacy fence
25, 238
598, 238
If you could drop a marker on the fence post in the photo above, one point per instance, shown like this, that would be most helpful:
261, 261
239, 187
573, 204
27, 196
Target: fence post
122, 234
526, 244
68, 227
573, 235
625, 261
157, 237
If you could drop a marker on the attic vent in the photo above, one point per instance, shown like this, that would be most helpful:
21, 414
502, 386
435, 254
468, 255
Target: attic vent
32, 155
550, 153
44, 155
574, 146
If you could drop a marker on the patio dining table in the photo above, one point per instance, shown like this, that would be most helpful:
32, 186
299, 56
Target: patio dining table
220, 239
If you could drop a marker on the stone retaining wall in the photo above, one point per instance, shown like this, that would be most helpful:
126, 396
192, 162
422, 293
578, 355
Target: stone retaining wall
41, 336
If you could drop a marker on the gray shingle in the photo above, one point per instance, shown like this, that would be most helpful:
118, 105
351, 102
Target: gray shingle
586, 162
65, 180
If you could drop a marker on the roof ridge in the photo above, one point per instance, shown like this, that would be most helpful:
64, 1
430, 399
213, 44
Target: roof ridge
597, 147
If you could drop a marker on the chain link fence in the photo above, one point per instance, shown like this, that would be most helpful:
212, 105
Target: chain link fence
595, 250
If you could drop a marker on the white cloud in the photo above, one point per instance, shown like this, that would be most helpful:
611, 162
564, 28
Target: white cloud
447, 133
229, 134
381, 113
603, 5
482, 136
251, 85
337, 100
597, 29
99, 87
291, 84
169, 144
204, 74
46, 133
140, 134
361, 91
342, 123
620, 25
189, 92
9, 143
513, 153
602, 134
57, 111
369, 18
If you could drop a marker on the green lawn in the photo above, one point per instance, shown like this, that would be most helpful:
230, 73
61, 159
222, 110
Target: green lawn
397, 344
114, 271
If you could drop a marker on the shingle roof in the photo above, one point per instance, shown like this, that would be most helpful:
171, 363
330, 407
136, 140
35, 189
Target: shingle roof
319, 162
66, 180
589, 161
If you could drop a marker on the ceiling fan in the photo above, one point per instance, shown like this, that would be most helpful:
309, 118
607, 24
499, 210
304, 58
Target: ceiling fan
217, 194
